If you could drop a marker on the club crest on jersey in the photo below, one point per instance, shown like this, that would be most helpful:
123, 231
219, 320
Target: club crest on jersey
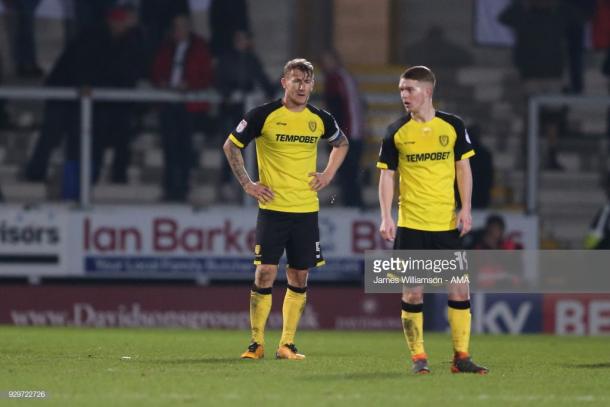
444, 140
241, 126
313, 125
257, 249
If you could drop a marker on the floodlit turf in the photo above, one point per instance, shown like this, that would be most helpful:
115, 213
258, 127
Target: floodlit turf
182, 367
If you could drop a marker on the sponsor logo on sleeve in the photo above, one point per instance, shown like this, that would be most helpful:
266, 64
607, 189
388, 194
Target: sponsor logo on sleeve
242, 126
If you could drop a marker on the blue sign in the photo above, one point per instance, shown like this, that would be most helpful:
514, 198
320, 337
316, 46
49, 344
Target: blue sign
491, 313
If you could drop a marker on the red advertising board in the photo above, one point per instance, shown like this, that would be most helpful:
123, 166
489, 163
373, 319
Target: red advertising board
577, 314
188, 307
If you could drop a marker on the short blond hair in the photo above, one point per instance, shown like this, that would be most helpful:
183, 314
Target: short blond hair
301, 64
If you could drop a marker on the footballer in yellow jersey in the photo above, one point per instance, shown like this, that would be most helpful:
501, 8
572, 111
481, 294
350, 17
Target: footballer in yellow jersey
286, 151
286, 133
424, 154
429, 149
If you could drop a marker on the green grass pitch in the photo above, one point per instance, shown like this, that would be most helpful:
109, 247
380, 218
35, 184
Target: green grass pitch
189, 367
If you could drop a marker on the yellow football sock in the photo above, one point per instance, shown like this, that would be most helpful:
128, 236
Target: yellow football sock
413, 327
294, 304
459, 320
260, 306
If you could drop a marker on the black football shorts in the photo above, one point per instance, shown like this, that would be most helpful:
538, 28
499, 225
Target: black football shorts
412, 239
297, 233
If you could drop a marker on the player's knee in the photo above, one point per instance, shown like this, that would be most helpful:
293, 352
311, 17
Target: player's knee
459, 292
413, 297
297, 278
459, 297
266, 272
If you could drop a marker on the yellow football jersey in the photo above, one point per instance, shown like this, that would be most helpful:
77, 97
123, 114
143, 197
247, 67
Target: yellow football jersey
286, 151
424, 154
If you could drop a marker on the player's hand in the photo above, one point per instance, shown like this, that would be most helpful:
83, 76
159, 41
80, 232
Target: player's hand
319, 181
464, 221
388, 229
260, 192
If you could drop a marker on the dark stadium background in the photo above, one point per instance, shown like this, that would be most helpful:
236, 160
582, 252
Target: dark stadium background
122, 257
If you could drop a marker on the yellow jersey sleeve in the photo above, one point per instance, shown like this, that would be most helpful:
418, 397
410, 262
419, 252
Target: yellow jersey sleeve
388, 153
251, 125
462, 148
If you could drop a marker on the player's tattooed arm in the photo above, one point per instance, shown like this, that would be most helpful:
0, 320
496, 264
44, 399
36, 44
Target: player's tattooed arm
340, 141
256, 190
236, 161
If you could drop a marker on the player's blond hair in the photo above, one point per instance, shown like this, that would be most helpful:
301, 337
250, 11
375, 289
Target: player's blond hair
301, 64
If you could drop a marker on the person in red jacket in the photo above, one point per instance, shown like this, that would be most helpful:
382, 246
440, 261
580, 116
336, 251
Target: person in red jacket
344, 102
182, 63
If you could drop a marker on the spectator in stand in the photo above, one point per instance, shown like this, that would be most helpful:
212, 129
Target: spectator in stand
489, 271
107, 56
110, 56
239, 72
156, 17
344, 102
60, 118
482, 170
538, 55
492, 236
227, 17
123, 49
581, 12
89, 15
600, 27
183, 63
23, 39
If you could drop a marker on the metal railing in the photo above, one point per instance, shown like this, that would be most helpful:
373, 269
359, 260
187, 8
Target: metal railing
87, 97
533, 140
